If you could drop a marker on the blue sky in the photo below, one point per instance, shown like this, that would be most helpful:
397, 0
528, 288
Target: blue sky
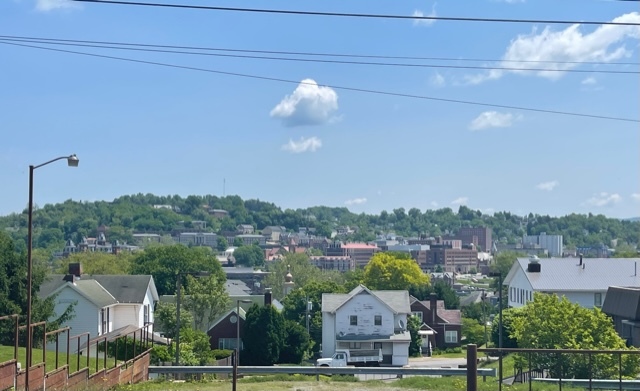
150, 129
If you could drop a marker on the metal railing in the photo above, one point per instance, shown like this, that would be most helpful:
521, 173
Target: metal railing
592, 369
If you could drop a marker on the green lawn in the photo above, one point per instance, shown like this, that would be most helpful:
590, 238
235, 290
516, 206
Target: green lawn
6, 354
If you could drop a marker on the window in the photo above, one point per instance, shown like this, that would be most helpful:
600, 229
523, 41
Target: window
451, 336
377, 320
354, 345
227, 343
377, 345
353, 320
597, 299
417, 314
146, 314
103, 318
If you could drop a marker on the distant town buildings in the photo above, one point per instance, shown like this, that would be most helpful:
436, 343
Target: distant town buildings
551, 243
338, 263
480, 237
207, 239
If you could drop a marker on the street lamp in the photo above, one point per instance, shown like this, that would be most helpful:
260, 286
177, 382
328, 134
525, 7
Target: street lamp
178, 291
72, 161
236, 360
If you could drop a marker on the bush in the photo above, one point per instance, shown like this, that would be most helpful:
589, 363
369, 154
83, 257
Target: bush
220, 354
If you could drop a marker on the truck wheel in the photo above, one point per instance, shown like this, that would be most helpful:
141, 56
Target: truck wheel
324, 365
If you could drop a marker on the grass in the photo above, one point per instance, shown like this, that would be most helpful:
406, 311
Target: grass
461, 354
6, 354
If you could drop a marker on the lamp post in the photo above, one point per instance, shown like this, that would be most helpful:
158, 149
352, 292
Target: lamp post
236, 360
309, 305
178, 300
72, 161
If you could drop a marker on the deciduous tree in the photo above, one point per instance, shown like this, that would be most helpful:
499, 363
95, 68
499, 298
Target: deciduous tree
205, 298
249, 256
389, 272
263, 336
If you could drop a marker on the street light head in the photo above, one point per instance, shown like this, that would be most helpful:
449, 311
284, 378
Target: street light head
73, 160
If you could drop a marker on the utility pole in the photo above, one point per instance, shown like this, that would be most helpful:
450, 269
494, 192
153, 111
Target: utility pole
309, 305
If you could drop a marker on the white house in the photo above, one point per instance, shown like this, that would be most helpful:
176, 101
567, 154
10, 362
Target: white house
365, 319
104, 304
581, 280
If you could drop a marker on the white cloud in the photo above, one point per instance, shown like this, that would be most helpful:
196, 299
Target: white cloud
636, 196
356, 201
437, 80
425, 22
309, 104
49, 5
604, 199
547, 186
589, 81
434, 204
604, 44
493, 119
310, 144
460, 201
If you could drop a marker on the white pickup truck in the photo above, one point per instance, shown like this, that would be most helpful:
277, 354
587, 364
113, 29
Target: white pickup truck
358, 358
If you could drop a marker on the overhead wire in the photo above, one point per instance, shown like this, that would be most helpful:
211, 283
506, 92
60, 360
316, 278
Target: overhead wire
146, 48
355, 15
337, 87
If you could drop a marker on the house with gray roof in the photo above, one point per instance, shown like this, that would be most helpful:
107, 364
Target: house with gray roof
366, 319
581, 280
103, 304
623, 306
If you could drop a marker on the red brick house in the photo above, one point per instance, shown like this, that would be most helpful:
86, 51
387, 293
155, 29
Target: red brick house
441, 328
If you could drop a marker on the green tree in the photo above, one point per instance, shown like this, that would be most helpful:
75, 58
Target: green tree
552, 323
264, 336
222, 243
390, 272
206, 298
296, 344
98, 263
249, 256
413, 325
302, 271
237, 242
165, 262
472, 331
166, 322
442, 290
508, 333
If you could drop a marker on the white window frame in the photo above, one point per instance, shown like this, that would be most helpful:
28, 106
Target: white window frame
377, 320
451, 336
597, 299
417, 314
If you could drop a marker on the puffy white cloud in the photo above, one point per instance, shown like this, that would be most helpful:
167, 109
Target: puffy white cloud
310, 144
547, 186
356, 201
604, 44
493, 119
437, 80
49, 5
425, 22
604, 199
460, 201
309, 104
636, 196
589, 81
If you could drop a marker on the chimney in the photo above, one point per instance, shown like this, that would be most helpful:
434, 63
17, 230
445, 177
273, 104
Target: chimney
534, 265
267, 296
433, 303
69, 278
580, 264
75, 269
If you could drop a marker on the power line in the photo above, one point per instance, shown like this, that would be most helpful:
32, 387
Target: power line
317, 54
356, 15
316, 60
363, 90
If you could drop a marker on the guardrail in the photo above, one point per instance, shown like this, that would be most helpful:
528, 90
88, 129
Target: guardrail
328, 371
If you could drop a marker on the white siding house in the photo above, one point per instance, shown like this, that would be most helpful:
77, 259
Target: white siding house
103, 304
365, 319
581, 280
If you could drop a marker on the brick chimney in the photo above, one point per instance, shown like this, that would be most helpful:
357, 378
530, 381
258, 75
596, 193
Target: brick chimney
75, 269
433, 303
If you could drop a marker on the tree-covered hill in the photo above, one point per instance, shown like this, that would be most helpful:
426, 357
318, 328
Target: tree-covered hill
148, 213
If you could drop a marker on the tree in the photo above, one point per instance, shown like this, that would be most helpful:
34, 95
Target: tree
472, 331
249, 256
508, 333
390, 272
165, 319
302, 270
296, 344
237, 242
548, 322
222, 243
264, 335
165, 262
206, 298
98, 263
413, 325
442, 290
502, 263
13, 294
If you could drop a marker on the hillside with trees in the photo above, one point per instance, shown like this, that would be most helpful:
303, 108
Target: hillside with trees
164, 215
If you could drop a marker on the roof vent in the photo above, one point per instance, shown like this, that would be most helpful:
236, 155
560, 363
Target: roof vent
534, 265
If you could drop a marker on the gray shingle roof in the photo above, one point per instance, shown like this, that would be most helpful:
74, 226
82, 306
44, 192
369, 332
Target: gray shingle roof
623, 302
95, 293
237, 288
398, 301
564, 274
124, 288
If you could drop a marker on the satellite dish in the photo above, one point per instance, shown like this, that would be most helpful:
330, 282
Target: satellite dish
401, 324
